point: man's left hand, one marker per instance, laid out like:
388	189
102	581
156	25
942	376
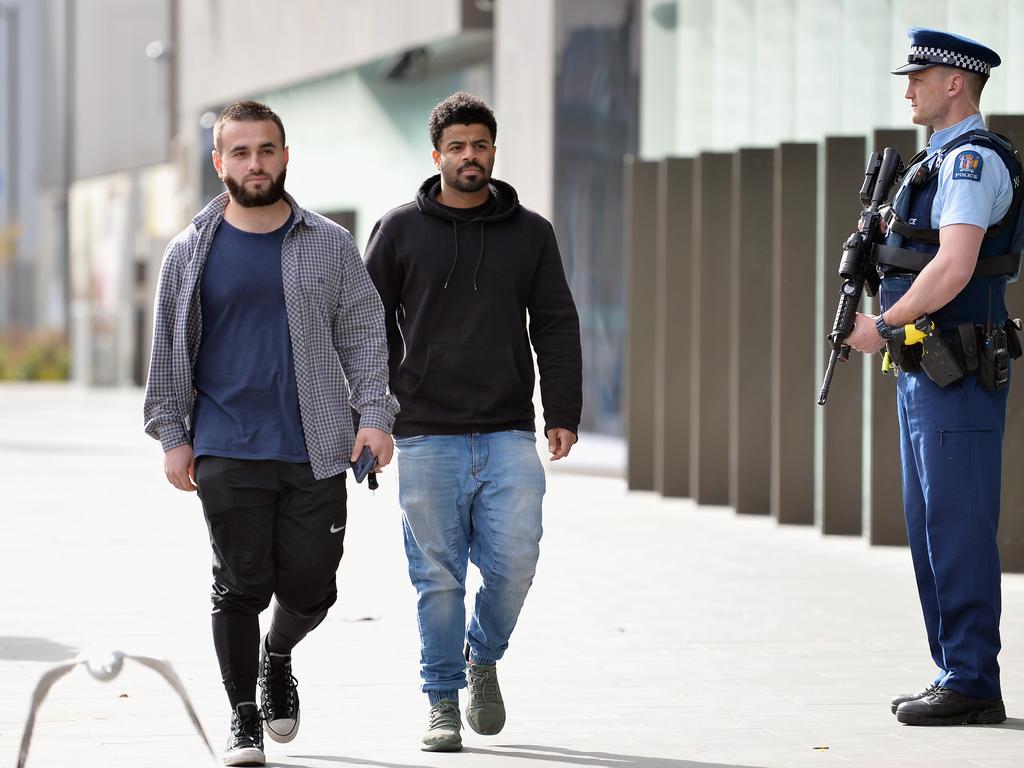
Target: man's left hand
381	446
864	336
560	442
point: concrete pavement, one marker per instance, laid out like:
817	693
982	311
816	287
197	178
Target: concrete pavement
657	635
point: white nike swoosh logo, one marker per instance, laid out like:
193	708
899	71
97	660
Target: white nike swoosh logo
339	528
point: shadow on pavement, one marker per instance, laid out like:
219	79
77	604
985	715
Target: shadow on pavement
34	649
595	759
344	760
1010	724
534	752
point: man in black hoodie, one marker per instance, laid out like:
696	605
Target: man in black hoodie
458	270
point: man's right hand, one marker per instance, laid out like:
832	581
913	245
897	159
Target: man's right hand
180	468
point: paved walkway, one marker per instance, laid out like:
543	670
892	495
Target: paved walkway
657	635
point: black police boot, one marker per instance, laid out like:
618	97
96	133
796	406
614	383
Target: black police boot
911	696
944	706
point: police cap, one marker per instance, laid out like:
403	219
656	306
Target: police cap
930	47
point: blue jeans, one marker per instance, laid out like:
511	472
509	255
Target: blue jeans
469	497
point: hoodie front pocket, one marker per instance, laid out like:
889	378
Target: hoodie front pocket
469	381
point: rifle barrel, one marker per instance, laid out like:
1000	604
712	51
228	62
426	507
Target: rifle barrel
829	370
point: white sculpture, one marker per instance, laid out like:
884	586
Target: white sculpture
105	666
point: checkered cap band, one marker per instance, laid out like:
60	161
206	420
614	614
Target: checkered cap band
920	54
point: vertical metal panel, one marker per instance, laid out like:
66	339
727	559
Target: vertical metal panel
641	182
1011	522
794	333
750	331
884	523
709	304
671	334
842	418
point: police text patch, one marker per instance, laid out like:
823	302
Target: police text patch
967	166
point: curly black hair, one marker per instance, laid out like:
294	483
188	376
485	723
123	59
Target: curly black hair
245	110
460	108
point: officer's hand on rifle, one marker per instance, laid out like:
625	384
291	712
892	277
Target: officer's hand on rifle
864	337
883	223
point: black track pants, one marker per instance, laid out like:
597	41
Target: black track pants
275	531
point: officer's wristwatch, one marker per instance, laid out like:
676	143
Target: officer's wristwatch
884	329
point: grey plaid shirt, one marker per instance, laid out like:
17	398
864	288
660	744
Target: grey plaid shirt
336	323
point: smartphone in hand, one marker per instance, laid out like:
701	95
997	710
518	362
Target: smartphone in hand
364	464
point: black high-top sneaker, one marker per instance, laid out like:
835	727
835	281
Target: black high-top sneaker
279	697
245	742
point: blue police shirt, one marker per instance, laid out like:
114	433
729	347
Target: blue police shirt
974	184
247	403
972	187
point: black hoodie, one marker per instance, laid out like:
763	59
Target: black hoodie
456	293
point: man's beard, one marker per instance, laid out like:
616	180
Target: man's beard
268	196
464	185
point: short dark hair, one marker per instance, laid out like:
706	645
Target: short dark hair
975	83
460	108
245	110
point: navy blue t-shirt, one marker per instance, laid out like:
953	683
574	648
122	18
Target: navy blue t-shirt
247	402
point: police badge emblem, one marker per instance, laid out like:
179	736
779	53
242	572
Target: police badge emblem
968	166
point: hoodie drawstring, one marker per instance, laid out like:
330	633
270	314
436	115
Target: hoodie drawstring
481	259
455	259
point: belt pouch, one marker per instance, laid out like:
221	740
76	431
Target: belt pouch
968	338
994	361
1013	338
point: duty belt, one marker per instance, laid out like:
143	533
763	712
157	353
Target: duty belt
969	348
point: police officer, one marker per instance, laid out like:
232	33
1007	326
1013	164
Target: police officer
948	256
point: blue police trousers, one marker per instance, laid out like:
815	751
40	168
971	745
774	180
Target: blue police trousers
951	447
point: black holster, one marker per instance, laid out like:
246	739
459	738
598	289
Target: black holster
938	361
907	359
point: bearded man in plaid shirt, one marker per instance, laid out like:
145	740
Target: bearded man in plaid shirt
267	333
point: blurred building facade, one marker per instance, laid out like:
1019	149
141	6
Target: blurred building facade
87	136
108	107
754	73
138	83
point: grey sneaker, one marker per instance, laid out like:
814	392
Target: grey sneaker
444	733
485	712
